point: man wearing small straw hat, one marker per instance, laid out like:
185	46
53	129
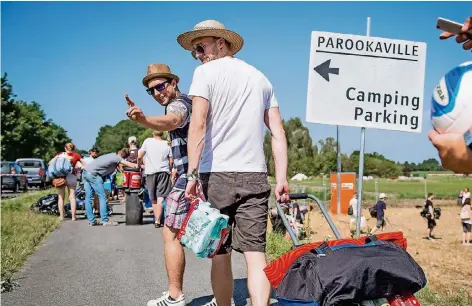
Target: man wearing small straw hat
231	101
161	84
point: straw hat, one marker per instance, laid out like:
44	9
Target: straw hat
211	28
158	71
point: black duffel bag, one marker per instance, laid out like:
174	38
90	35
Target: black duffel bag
48	204
350	273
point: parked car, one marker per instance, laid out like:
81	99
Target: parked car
37	171
13	177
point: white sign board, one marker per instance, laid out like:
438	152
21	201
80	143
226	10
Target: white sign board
366	81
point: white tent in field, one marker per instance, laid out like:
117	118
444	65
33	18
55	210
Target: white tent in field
299	177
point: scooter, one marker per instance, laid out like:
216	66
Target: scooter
137	197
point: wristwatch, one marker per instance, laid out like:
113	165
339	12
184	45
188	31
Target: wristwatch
468	139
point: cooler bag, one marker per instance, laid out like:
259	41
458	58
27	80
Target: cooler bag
204	229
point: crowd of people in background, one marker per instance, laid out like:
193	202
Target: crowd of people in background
93	170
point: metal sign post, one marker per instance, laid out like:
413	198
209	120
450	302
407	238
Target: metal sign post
338	183
324	193
425	188
361	167
376	190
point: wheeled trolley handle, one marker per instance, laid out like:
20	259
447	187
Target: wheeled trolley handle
303	196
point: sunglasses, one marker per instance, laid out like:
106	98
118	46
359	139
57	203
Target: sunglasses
159	87
200	49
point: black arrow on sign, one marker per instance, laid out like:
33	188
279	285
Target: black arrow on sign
324	70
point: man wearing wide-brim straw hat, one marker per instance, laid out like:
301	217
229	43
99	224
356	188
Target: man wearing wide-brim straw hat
231	101
206	34
161	84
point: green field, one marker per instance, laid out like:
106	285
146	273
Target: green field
444	187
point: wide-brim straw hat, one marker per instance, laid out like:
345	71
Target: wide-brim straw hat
155	71
211	28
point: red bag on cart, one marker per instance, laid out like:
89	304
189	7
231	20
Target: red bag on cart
276	270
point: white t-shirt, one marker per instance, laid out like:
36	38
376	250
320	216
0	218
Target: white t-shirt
239	94
156	157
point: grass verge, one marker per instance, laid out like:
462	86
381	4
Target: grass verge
277	246
22	231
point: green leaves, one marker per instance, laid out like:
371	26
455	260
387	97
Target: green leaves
113	138
313	160
26	132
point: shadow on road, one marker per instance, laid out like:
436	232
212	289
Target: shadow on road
241	294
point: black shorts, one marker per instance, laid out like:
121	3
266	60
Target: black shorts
244	197
466	227
431	223
158	185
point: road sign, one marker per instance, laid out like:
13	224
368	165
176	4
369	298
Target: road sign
364	81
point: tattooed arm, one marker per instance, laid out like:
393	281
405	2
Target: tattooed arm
176	117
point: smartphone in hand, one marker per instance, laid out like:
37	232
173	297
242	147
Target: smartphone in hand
452	27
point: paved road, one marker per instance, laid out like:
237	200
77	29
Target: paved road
80	265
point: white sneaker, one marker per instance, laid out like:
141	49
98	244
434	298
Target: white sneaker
213	302
166	300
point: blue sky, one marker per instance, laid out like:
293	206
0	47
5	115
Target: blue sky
77	59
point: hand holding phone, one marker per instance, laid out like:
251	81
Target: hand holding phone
451	28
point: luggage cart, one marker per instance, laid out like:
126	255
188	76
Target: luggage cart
304	196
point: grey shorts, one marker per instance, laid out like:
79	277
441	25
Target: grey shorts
380	223
158	185
244	197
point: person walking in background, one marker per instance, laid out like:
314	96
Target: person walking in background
133	150
93	176
353	204
231	101
159	162
459	197
465	195
466	220
132	157
93	154
380	207
296	211
70	180
429	208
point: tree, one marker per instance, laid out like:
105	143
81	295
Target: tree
148	134
407	169
430	164
113	138
299	148
26	132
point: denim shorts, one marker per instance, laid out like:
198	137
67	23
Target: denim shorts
244	198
